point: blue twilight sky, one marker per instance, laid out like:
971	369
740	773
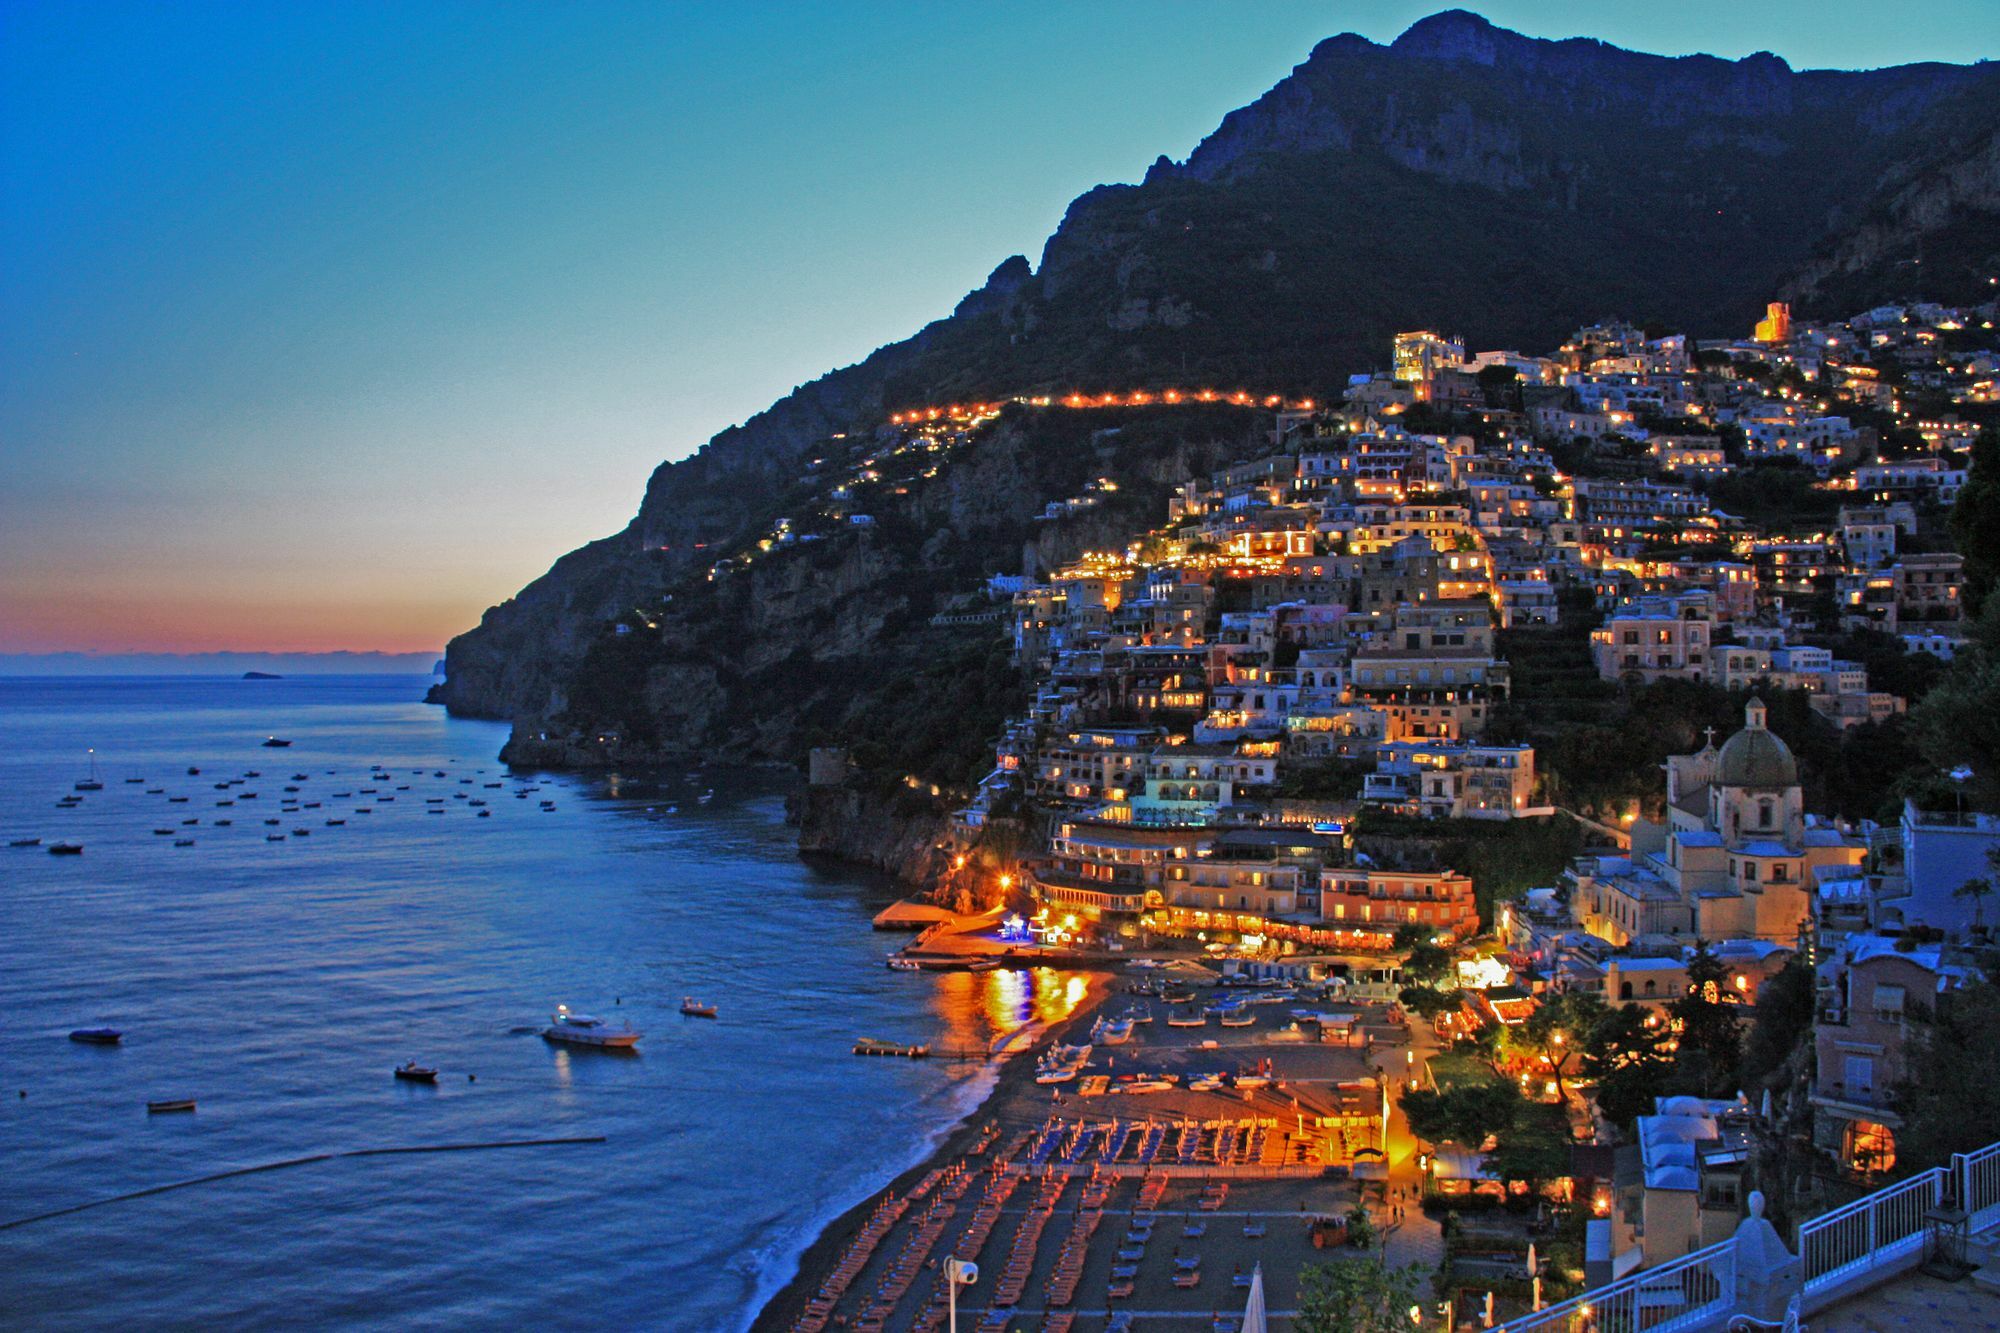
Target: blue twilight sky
329	324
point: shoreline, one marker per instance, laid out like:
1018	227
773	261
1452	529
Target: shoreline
1016	1076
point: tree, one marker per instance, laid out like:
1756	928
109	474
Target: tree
1356	1296
1711	1041
1783	1022
1534	1149
1975	519
1951	1100
1978	889
1556	1030
1427	1002
1428	962
1958	723
1467	1114
1625	1055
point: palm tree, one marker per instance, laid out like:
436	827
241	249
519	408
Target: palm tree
1977	890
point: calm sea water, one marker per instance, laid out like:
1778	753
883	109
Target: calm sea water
279	982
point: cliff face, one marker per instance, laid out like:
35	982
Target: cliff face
1463	176
863	828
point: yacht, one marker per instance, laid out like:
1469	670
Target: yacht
91	783
584	1030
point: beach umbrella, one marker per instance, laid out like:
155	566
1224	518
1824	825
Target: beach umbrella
1253	1309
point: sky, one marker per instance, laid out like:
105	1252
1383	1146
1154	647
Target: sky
329	325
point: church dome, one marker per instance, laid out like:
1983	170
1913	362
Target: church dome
1753	757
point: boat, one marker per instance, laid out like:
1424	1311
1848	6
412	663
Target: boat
90	783
96	1036
1061	1064
1238	1018
1111	1031
273	743
416	1073
274	837
693	1008
583	1030
183	842
193	772
25	842
1185	1018
898	963
163	833
171	1104
65	849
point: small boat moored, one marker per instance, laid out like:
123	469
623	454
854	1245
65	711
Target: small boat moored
584	1030
693	1008
412	1072
171	1104
96	1036
273	743
65	849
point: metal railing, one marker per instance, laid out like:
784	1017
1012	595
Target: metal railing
1977	1178
1690	1292
1879	1232
1847	1250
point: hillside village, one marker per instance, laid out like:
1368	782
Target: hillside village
1250	725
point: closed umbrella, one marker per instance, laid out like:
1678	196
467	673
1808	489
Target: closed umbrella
1253	1309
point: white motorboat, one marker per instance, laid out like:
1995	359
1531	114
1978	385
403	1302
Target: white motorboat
584	1030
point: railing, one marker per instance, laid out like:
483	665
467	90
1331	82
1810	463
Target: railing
1691	1292
1879	1234
1842	1252
1977	1177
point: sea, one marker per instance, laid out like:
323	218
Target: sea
392	892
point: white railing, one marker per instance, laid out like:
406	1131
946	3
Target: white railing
1884	1231
1847	1250
1693	1291
1977	1176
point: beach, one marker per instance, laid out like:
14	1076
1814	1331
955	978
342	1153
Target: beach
1160	1203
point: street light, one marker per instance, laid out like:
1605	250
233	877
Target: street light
958	1273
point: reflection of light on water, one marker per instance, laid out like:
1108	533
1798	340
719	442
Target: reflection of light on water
1007	997
976	1007
563	1071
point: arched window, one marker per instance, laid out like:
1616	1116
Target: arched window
1624	990
1650	985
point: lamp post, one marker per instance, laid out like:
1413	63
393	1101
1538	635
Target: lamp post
957	1273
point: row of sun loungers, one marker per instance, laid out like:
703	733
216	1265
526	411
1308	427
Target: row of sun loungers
1000	1186
859	1251
909	1264
1061	1286
1020	1263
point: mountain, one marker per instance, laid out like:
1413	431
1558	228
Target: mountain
1503	187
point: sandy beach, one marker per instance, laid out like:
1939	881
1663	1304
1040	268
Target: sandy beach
1008	1104
1159	1204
